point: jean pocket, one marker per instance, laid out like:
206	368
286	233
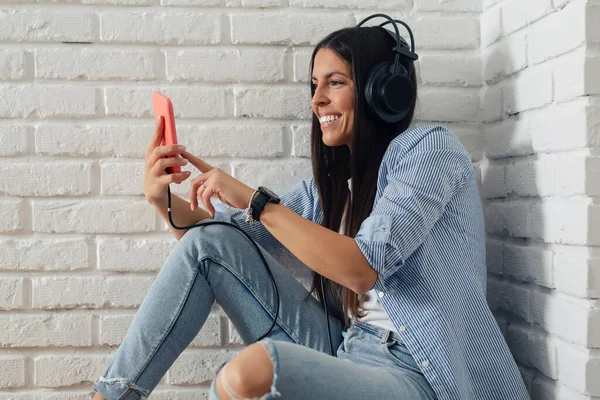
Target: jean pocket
400	355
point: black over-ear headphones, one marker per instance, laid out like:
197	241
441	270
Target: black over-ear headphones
389	90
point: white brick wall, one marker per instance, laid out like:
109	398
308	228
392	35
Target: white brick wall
539	184
76	116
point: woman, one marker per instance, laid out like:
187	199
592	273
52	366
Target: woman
405	282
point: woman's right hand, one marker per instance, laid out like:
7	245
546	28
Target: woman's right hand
156	179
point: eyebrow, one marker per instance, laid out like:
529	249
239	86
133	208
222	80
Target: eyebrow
329	75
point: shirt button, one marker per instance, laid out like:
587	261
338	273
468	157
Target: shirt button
425	364
402	328
381	294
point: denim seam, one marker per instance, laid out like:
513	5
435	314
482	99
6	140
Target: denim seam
168	330
284	326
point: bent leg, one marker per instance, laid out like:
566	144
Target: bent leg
213	262
299	373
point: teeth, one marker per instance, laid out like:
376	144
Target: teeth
329	118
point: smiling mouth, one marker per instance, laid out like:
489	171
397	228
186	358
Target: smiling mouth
328	120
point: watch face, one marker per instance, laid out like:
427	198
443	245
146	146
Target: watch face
269	193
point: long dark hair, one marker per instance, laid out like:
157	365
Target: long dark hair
362	48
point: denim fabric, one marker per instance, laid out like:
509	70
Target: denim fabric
218	263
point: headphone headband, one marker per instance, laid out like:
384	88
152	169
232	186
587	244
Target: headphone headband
389	89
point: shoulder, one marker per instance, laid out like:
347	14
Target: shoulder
429	151
427	137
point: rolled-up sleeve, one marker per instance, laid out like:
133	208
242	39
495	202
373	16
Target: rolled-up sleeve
418	187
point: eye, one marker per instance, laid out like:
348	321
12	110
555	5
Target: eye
335	83
313	86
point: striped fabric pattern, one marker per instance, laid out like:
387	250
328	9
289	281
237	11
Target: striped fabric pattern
425	238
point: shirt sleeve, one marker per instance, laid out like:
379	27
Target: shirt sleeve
300	198
418	188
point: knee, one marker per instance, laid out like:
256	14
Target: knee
209	237
248	375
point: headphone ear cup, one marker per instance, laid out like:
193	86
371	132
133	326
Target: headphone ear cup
388	95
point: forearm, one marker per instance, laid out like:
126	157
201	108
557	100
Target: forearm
332	255
181	213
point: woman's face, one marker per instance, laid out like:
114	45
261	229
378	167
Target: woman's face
333	101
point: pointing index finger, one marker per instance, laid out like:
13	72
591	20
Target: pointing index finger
203	166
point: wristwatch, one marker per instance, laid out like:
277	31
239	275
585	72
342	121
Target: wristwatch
263	197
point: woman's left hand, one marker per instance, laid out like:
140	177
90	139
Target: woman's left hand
216	182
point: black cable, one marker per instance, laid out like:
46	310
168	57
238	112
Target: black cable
262	258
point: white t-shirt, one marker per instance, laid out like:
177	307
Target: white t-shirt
369	303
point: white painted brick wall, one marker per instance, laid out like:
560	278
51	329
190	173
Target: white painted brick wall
539	186
76	117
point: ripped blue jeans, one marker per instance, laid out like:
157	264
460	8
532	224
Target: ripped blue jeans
218	263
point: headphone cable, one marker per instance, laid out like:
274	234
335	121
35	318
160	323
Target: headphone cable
205	223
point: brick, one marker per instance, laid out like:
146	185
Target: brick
561	220
32	254
122	178
446	104
88	64
490	26
181	393
545	41
103	140
90	292
278	176
494	260
286	102
548	127
114	327
291	27
505	57
11	214
226	65
302	65
557	313
128	255
511	137
46	26
592	29
492	103
512	219
451	69
92	216
493	181
301	141
173	28
450	6
396	5
188	102
516	14
45	396
529	264
11	293
591	81
45	330
12	64
197	366
533	349
447	32
577	271
14	139
580	368
569	75
532	88
533	178
39	101
543	388
45	179
60	371
248	139
12	371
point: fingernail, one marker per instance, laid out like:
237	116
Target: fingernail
181	148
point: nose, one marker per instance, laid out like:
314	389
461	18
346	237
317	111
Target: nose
320	97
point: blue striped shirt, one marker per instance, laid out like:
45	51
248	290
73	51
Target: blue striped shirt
425	238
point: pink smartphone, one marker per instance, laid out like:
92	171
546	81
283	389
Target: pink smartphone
164	107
